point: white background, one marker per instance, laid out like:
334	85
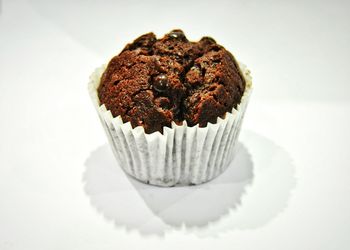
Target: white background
288	187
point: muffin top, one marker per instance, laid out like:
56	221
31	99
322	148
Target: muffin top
153	82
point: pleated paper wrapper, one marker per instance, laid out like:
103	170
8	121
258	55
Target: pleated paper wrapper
182	155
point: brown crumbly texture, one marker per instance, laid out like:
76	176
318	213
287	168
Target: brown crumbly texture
153	82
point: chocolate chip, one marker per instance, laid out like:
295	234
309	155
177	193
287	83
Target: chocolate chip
177	34
208	40
160	83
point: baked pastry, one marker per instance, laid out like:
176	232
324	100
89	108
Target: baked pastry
172	109
153	82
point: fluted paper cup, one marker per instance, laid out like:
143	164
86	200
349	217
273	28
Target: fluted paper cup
182	155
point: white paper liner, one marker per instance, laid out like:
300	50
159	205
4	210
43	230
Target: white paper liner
182	154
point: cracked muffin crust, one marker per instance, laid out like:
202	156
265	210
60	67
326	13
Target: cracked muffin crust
153	82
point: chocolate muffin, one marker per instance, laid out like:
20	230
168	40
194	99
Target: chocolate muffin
153	82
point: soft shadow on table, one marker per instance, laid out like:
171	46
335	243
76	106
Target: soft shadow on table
218	204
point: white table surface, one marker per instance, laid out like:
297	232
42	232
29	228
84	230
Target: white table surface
288	187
